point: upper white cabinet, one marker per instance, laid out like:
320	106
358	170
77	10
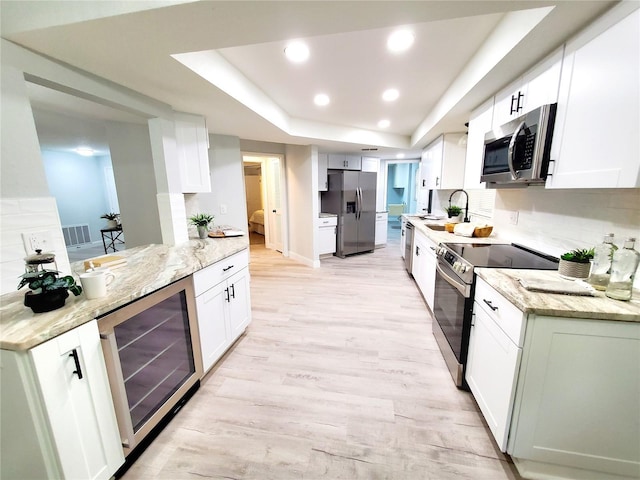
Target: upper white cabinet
192	144
443	161
370	164
323	179
596	141
340	161
58	419
479	124
537	87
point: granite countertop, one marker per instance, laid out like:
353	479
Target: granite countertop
446	237
601	307
148	269
324	215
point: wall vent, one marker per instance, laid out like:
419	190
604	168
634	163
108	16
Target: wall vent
76	235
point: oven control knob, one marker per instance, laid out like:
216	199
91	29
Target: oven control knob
462	268
456	266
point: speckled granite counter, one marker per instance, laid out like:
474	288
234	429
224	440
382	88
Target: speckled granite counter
446	237
148	268
505	281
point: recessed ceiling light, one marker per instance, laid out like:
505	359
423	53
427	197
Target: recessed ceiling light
390	95
297	51
384	123
400	40
400	155
85	151
321	99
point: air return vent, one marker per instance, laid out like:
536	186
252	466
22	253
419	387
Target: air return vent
76	235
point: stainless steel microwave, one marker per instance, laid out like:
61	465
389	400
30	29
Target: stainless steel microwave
517	153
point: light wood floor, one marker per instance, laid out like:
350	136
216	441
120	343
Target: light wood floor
337	377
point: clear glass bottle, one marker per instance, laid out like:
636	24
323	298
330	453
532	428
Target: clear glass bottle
601	266
623	270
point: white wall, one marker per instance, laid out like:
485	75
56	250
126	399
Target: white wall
135	182
301	173
227	185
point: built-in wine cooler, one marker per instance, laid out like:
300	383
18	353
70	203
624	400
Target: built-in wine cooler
149	350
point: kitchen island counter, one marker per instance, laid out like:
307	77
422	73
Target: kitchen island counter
149	268
601	307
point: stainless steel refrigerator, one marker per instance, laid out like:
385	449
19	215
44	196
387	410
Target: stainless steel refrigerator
352	197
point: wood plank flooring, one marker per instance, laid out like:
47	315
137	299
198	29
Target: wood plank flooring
337	377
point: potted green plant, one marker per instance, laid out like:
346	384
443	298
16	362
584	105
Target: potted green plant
576	263
112	219
48	292
201	221
454	211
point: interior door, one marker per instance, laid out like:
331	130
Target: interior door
273	210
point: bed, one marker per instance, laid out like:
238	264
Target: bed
256	222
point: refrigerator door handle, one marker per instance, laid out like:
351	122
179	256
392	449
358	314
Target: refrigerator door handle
357	202
360	206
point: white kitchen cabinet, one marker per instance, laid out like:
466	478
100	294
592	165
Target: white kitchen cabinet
537	87
370	164
495	349
223	305
424	266
58	419
381	228
340	161
327	229
577	411
403	236
442	165
596	141
323	179
192	144
479	124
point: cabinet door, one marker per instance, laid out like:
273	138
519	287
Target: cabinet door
430	262
508	103
381	228
353	162
541	83
323	183
337	161
452	161
492	366
479	125
596	142
370	164
192	144
431	166
327	239
214	330
75	391
239	303
577	400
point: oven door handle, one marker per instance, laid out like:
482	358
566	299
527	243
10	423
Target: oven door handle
451	281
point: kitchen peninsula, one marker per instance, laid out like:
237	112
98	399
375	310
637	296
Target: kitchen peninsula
83	385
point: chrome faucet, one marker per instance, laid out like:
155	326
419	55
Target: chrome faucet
466	207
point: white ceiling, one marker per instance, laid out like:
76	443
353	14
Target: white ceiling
348	60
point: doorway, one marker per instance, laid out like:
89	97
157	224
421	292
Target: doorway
270	220
401	191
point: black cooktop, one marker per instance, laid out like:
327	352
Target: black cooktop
503	256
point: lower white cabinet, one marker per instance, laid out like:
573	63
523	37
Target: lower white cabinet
424	266
381	228
58	419
327	235
223	304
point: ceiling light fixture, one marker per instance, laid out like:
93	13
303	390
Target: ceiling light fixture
321	99
297	52
390	95
400	40
85	151
384	124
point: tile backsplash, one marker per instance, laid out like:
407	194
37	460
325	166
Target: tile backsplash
26	215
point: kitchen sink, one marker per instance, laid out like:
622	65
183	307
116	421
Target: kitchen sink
435	226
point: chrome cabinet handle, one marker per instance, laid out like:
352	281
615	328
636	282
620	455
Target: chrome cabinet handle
488	302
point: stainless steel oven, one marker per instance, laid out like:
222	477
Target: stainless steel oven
151	348
455	288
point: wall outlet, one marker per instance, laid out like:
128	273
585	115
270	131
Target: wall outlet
223	208
513	218
37	241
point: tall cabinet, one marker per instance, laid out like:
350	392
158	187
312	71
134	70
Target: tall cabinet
58	419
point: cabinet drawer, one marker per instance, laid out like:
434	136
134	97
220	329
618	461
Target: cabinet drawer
382	217
504	313
327	222
210	276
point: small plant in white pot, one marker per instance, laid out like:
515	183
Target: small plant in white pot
201	221
576	263
454	212
112	219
